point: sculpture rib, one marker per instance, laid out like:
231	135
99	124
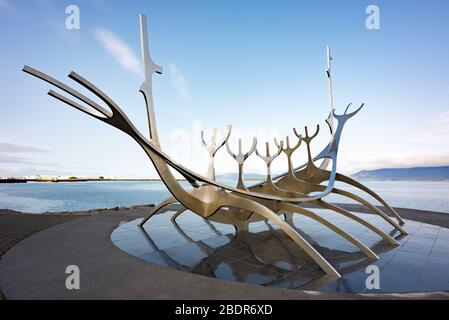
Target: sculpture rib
271	216
332	207
162	204
370	206
354	183
292	208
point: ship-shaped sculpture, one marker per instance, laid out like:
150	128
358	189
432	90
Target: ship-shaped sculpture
274	200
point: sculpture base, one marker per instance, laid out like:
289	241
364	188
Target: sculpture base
264	255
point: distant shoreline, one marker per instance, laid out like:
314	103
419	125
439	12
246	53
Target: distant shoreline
440	173
399	180
81	180
19	180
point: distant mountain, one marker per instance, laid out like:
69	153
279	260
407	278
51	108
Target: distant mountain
418	173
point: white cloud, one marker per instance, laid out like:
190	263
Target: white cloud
178	80
21	160
119	50
13	148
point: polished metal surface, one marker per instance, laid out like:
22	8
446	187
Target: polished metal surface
239	206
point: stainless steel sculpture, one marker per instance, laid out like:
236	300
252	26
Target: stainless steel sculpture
279	195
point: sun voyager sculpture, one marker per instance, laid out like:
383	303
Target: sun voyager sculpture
276	199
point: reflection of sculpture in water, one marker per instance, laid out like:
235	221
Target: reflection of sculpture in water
239	205
268	256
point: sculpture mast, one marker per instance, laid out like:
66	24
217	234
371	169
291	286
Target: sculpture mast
330	119
149	67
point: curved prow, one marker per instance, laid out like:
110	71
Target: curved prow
118	119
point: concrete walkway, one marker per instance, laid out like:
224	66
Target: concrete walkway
35	269
17	226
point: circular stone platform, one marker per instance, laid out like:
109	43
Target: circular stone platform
267	256
35	267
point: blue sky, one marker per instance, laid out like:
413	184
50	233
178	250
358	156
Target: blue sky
258	65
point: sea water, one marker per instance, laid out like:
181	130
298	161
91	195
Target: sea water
39	197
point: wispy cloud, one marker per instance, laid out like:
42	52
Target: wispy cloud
20	160
178	80
12	159
14	148
119	50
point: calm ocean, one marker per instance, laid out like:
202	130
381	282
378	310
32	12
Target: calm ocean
77	196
